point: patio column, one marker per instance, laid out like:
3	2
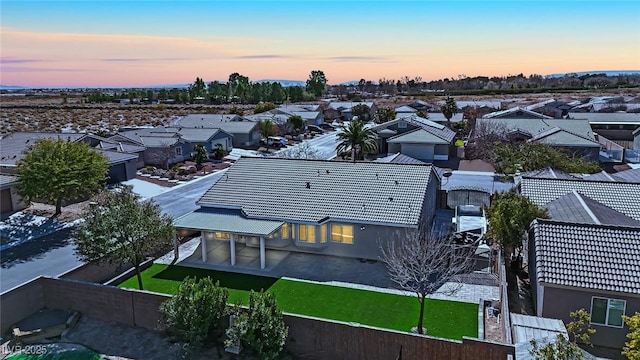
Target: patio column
232	244
203	242
262	257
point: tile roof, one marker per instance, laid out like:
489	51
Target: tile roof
314	190
631	175
549	173
598	257
230	123
575	207
197	135
6	180
431	127
560	137
347	105
227	221
622	197
608	118
513	113
581	128
417	136
405	109
399	158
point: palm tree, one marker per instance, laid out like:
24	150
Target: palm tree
357	138
449	109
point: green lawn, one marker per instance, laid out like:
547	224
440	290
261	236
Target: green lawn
447	319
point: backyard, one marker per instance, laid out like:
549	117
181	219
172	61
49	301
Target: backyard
446	319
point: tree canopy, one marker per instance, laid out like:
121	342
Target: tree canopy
384	114
579	330
60	170
449	108
355	138
361	111
632	347
510	158
510	215
316	82
200	155
121	229
266	128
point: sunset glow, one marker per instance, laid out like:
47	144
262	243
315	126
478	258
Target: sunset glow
118	43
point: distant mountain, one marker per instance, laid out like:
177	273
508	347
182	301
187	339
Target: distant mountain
12	87
606	72
285	83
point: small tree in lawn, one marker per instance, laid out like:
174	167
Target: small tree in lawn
510	215
193	314
261	328
219	152
265	128
566	349
121	229
60	170
200	155
422	263
296	122
449	109
632	347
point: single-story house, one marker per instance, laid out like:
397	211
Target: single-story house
617	126
405	110
315	206
122	164
210	138
10	200
623	197
575	136
245	133
416	137
163	146
516	113
343	108
593	266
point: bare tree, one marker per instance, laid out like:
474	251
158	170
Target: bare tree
302	151
484	136
421	262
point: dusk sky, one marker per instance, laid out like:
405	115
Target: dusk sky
128	43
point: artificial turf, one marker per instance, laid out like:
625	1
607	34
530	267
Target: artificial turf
446	319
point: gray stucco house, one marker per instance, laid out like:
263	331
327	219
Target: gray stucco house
590	266
325	207
416	137
575	136
244	132
163	146
588	254
122	160
10	200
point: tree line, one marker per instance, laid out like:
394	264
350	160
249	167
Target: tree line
238	90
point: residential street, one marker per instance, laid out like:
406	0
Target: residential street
54	254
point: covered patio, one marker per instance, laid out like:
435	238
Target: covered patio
230	237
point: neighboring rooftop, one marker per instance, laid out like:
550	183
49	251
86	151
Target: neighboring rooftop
440	131
622	197
516	113
577	208
313	190
609	118
598	257
576	128
631	175
525	328
6	180
399	158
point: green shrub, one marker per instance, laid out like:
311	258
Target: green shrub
261	329
193	314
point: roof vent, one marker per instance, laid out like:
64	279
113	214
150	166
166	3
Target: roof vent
308	185
327	171
447	172
397	183
318	172
377	178
390	198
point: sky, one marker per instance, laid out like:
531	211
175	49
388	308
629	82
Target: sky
143	43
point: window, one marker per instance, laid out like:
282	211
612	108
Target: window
607	312
323	233
307	233
178	151
284	231
222	235
342	233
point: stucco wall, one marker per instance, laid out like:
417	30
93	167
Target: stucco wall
422	152
559	302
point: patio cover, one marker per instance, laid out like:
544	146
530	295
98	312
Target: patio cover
226	221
